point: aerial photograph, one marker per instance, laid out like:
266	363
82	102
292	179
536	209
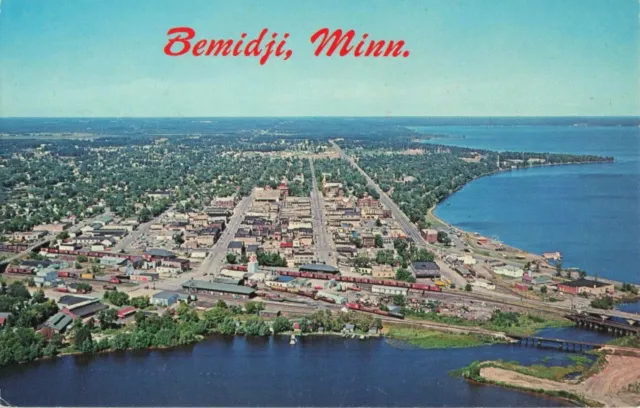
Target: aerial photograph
363	203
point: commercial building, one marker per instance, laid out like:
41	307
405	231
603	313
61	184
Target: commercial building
587	286
199	286
319	268
145	277
509	270
164	299
427	269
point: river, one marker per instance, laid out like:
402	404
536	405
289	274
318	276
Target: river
590	213
243	371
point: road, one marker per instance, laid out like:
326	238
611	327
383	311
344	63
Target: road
144	228
51	237
323	241
216	257
404	221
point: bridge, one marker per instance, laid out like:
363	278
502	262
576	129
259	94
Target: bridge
599	323
562	344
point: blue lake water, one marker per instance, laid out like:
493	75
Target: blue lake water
243	371
590	213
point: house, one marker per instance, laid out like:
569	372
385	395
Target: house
164	299
235	247
483	284
589	287
45	277
428	269
509	270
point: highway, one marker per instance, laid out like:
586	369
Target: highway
404	221
323	241
216	257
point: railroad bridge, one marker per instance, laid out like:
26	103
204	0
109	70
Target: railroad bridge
562	344
604	323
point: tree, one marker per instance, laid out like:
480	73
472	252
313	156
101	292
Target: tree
228	326
39	297
583	274
605	302
107	318
116	298
559	268
253	307
82	339
378	222
139	302
379	243
282	324
82	258
63	235
468	287
231	258
404	275
255	326
543	290
178	238
77	265
399	300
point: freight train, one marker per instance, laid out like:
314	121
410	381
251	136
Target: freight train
363	308
91	254
328	276
311	293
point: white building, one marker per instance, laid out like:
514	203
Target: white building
509	270
389	290
483	284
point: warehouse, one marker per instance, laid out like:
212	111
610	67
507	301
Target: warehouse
319	268
164	299
199	286
389	290
427	269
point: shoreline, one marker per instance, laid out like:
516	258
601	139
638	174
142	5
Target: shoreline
431	213
604	382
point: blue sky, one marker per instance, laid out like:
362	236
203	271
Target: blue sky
468	58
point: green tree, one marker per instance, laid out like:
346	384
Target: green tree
228	326
404	275
379	243
255	326
378	222
231	258
468	287
282	324
559	268
399	300
253	307
82	258
108	318
543	290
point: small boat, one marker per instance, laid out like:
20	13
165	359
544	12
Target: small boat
293	340
362	337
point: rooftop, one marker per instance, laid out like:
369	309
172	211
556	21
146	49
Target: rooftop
580	283
164	295
425	265
235	244
319	268
70	300
160	252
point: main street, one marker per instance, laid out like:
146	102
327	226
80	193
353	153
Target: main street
216	257
323	241
404	221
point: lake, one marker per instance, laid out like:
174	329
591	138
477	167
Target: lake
243	371
590	213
